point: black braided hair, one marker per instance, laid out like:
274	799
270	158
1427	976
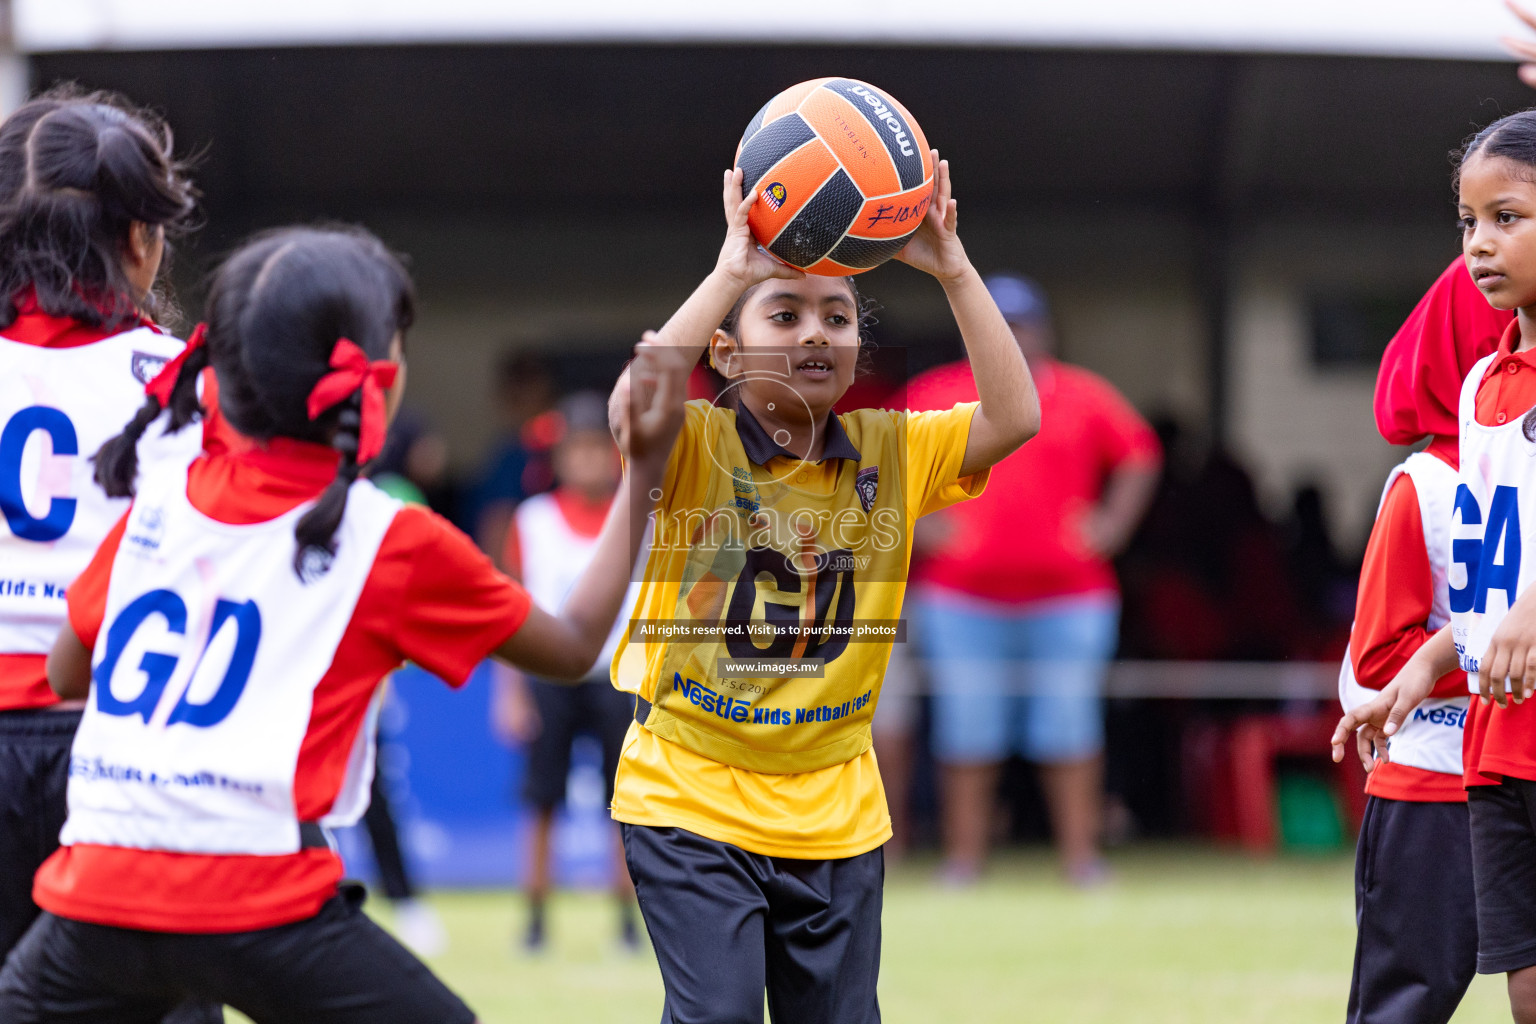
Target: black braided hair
276	309
77	171
117	462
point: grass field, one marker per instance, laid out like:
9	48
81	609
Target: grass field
1184	935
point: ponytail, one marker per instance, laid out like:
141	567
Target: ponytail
316	529
174	388
117	463
301	324
78	171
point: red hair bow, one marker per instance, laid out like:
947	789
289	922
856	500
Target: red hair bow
165	381
351	370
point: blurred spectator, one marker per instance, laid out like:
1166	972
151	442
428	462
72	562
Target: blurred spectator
517	465
551	540
1018	600
414	464
1205	576
1325	583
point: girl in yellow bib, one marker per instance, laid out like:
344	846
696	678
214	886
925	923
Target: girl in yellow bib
752	809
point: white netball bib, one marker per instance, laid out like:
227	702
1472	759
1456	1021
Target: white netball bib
553	558
57	406
1431	736
1497	492
204	675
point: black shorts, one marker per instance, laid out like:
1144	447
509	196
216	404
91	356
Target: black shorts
34	773
728	925
1416	947
566	711
337	967
1504	870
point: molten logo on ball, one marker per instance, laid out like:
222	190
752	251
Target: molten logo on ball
774	195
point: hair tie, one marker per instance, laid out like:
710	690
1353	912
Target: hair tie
164	384
351	370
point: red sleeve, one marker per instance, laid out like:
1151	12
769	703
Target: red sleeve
1396	595
456	608
1421	372
936	389
1124	436
87	596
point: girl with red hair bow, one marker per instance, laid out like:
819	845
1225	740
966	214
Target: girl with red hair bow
231	635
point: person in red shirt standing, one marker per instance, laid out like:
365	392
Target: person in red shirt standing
1416	948
1018	606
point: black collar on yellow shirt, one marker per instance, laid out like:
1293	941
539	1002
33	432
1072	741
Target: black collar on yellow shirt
760	447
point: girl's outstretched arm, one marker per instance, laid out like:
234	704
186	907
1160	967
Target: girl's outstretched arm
69	666
1374	722
1010	408
566	644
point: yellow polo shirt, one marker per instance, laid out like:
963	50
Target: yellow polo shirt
832	811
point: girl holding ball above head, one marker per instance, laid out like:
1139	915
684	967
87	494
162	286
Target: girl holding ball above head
230	636
752	809
1492	630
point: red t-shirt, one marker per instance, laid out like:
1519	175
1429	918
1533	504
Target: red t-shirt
1021	541
431	597
1392	610
24	677
1502	741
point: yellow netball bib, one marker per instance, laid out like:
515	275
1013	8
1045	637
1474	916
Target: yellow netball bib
773	588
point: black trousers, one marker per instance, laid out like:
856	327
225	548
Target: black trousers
728	925
337	967
565	712
34	774
34	778
1416	913
1504	866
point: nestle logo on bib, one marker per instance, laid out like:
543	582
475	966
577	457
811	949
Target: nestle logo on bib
146	366
148	529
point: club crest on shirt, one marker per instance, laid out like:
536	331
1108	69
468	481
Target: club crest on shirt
867	483
146	366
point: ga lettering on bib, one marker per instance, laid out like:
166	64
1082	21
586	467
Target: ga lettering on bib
1496	491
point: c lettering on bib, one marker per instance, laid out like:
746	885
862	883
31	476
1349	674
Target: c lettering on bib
13	443
158	667
1500	540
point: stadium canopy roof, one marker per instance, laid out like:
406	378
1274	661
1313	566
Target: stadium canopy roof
1403	28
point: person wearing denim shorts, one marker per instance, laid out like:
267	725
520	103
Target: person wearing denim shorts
1017	605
